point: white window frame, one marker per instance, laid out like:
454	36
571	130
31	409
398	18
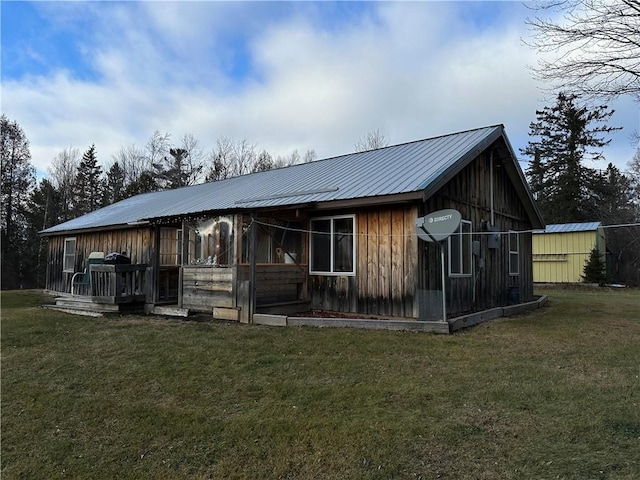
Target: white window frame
332	271
461	237
514	253
69	257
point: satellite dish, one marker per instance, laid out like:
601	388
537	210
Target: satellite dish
438	226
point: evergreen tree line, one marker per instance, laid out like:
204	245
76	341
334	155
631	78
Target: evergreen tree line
564	139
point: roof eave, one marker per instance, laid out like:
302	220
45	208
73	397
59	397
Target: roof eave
79	231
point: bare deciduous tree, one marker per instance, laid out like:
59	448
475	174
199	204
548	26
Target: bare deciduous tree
219	160
230	158
194	159
244	157
157	148
132	161
591	48
374	139
62	173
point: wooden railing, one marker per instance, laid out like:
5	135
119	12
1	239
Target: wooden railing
118	283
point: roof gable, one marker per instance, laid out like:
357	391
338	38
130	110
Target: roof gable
418	167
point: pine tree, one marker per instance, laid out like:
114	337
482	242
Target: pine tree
595	269
616	203
264	162
18	178
145	183
114	188
613	196
44	210
566	135
174	171
88	185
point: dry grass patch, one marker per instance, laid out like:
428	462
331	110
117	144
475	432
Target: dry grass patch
552	394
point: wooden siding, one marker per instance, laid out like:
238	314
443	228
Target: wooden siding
276	283
138	243
384	283
490	283
206	287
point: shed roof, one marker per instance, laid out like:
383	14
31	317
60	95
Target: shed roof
420	167
571	227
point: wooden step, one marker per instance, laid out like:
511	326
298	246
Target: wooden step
82	304
169	311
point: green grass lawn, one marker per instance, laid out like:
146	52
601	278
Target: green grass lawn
552	394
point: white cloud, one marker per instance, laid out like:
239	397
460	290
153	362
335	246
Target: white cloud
412	70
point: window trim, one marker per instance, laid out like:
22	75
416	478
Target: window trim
174	256
332	271
460	232
66	254
515	252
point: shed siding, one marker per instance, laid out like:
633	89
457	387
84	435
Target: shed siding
561	257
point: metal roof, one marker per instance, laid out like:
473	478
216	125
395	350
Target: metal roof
571	227
399	169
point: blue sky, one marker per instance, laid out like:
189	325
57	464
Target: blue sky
283	75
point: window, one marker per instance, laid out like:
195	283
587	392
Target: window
278	240
460	250
69	254
170	246
332	246
209	241
514	253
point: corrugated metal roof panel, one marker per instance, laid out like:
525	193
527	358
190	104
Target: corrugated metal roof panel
571	227
409	167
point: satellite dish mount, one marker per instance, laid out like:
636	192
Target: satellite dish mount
437	227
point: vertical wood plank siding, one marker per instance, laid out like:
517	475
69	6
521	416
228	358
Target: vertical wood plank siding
489	285
393	264
138	243
386	253
276	283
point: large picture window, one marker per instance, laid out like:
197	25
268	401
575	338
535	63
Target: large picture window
514	253
69	254
332	245
460	250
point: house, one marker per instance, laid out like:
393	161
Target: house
335	235
560	251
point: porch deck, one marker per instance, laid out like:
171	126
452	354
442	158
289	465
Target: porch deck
112	289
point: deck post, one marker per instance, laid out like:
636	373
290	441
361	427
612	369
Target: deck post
252	267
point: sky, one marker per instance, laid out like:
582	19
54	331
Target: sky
284	76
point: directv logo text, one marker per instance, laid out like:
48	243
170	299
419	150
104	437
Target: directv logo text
440	219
